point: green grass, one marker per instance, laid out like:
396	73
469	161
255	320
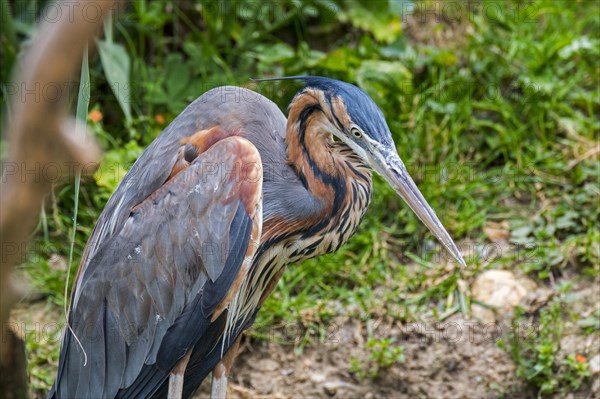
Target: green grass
498	124
383	353
535	350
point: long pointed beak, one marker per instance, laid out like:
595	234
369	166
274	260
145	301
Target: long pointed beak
395	173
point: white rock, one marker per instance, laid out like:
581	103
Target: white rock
499	289
595	364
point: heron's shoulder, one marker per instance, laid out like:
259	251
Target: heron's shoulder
235	97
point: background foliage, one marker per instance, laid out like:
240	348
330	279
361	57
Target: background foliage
497	122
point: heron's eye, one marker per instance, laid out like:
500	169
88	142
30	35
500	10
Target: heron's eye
356	132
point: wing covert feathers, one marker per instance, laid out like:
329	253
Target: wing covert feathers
152	291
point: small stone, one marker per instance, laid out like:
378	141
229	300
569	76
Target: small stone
318	378
330	388
596	385
266	365
497	231
536	299
595	364
499	289
57	262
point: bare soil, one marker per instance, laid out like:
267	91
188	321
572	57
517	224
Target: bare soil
455	359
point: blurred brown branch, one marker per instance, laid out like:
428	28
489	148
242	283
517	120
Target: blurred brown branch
41	135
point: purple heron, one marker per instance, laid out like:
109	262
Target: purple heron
201	228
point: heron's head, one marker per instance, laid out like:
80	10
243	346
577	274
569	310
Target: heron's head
352	116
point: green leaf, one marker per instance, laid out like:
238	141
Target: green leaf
177	76
340	60
373	16
378	77
569	219
394	70
111	171
115	165
116	65
274	53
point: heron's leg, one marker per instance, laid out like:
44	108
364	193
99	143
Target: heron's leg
176	378
221	372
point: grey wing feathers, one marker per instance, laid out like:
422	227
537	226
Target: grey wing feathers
173	246
233	108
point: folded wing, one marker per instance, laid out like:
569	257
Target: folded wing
152	291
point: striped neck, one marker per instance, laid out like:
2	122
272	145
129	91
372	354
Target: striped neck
328	169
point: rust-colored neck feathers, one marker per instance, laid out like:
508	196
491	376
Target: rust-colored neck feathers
325	167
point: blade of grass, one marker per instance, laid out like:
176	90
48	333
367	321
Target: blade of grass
44	219
83	102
